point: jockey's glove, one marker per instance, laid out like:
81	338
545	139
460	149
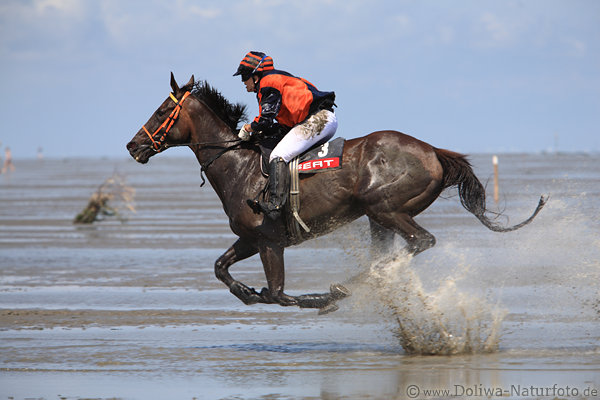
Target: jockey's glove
244	134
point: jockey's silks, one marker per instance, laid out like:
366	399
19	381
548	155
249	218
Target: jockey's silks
287	99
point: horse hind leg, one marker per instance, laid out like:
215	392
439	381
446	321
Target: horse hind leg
417	238
399	218
382	246
325	302
382	240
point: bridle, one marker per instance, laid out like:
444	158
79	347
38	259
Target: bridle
157	144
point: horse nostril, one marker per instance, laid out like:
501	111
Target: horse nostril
131	146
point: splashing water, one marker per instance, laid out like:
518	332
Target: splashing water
443	322
451	299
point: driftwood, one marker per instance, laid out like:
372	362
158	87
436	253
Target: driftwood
112	190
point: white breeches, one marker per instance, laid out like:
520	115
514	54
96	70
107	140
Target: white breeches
317	129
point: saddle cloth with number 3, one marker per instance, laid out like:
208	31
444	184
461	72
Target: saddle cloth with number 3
322	158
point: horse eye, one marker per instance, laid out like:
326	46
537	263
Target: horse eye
160	113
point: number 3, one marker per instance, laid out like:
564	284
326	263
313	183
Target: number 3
324	150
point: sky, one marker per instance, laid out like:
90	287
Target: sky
80	77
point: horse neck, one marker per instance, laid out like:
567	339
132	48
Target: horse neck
206	127
230	171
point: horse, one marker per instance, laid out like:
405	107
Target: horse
388	176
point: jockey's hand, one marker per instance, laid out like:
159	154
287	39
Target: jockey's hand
245	134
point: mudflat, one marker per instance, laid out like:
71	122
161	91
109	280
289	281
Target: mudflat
130	308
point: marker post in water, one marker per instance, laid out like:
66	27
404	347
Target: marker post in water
495	162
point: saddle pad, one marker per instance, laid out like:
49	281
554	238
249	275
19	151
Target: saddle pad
322	158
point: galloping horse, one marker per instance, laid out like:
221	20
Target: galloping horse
388	176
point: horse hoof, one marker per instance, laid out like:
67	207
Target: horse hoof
281	298
286	301
328	309
339	292
247	295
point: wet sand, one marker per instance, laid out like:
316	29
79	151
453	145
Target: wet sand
133	311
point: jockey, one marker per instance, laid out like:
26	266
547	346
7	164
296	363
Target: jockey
293	104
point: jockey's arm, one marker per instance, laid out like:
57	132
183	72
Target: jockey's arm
270	104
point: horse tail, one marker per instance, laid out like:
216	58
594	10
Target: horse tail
458	172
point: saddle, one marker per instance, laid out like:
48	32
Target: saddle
320	158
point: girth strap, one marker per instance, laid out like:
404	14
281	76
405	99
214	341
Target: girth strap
295	200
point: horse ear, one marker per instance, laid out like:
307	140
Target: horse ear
190	83
174	85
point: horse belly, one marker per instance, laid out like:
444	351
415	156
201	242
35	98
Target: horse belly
326	202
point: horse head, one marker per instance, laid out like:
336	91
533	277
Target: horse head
167	125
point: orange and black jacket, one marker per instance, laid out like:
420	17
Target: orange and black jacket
287	99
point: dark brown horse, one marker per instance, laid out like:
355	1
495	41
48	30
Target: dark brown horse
388	176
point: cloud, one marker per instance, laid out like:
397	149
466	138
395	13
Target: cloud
495	32
458	60
447	34
132	26
576	47
402	23
191	9
42	28
72	8
208	13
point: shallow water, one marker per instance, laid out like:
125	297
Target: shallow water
133	311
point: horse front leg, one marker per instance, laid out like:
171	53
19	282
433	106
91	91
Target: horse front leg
239	251
273	263
271	256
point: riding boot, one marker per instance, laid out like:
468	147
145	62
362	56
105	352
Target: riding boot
278	187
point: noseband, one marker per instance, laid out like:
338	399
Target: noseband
157	143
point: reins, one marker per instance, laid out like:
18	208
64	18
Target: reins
204	167
201	143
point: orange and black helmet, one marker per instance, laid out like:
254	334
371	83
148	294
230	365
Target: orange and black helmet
254	63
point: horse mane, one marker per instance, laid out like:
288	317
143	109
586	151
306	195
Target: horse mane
231	114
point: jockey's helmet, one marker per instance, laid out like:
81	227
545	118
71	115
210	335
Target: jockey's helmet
254	63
